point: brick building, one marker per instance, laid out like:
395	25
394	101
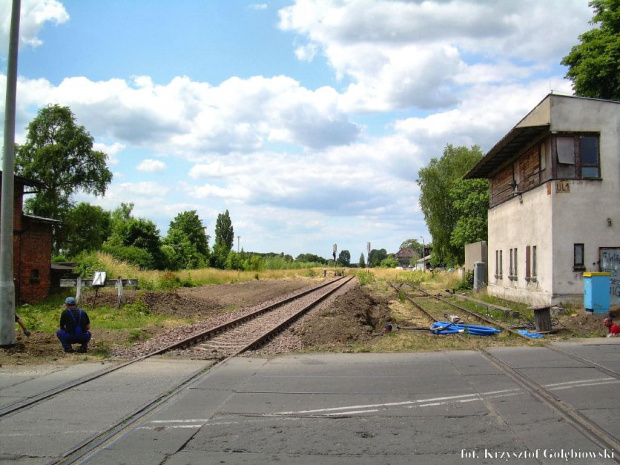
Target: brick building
32	247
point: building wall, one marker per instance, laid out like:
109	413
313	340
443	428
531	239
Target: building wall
560	213
32	250
582	211
516	224
476	252
32	261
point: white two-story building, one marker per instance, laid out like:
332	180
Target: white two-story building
554	211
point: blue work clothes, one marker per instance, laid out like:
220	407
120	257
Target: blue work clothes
69	320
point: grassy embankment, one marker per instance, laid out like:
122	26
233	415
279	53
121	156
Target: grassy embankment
44	316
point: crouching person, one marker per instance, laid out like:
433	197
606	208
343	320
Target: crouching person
74	327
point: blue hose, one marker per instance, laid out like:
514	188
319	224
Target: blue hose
444	327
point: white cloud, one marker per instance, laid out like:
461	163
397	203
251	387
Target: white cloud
402	54
187	117
151	166
110	150
34	15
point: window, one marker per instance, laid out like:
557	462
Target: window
512	270
578	260
516	262
589	157
501	272
578	157
530	263
34	276
527	262
498	264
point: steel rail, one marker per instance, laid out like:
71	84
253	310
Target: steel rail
581	423
98	441
17	406
588	428
467	311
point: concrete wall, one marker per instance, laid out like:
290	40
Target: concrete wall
560	213
476	252
521	222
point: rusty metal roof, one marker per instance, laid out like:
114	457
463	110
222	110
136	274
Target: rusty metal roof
506	149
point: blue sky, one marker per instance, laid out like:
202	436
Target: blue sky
307	119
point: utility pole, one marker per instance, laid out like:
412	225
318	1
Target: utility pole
7	286
238	240
423	255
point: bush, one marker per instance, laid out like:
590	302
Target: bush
364	277
466	283
88	263
168	281
131	254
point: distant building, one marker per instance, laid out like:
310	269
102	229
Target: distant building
32	247
554	189
404	257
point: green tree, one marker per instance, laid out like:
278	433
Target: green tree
88	227
344	258
224	232
59	153
375	257
594	64
188	241
389	262
412	244
437	181
362	262
470	199
310	258
138	233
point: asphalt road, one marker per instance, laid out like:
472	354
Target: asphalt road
429	408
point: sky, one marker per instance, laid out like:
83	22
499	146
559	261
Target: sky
308	120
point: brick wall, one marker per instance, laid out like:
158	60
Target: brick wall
33	264
32	251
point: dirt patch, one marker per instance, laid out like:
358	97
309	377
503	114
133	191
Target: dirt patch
353	318
200	302
582	324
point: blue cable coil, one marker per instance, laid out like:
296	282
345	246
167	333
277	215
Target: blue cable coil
445	327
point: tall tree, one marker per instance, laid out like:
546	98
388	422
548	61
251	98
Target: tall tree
414	245
59	153
470	199
362	262
130	233
344	258
189	243
224	232
437	181
375	257
594	64
88	227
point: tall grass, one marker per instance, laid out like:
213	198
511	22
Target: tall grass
162	280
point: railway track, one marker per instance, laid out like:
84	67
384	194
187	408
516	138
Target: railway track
590	429
217	345
444	310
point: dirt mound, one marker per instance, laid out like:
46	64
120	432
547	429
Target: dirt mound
355	317
582	324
